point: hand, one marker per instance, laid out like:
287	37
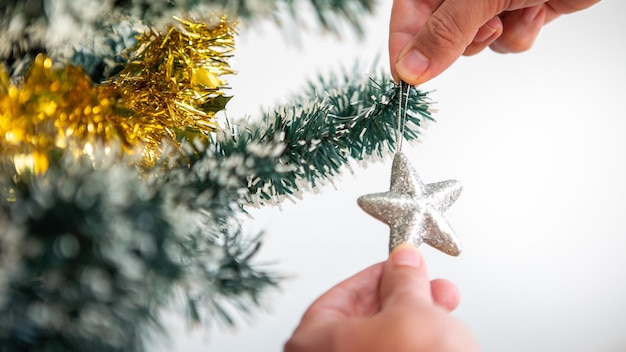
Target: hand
427	36
390	306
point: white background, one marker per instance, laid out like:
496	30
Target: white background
538	141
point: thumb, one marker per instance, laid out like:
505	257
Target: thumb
443	38
405	278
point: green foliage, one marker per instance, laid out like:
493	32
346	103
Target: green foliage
93	260
90	255
309	142
91	251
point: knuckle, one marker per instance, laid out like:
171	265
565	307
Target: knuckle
445	31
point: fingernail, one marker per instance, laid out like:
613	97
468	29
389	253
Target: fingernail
413	64
405	254
530	13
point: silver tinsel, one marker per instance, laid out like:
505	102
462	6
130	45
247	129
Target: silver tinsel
413	210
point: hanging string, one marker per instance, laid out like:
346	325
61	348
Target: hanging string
403	104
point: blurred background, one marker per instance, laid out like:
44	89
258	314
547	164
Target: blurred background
538	140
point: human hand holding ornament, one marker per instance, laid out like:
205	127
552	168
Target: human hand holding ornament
427	36
390	306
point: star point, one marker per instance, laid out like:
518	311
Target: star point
414	210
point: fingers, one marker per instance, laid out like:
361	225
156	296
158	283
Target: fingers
401	284
456	27
355	296
486	35
521	28
427	36
362	294
445	294
405	279
444	37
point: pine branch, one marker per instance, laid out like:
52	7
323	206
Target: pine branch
309	142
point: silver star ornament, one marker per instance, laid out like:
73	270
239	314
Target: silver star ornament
413	210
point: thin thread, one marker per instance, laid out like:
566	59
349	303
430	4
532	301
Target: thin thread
398	135
402	112
406	109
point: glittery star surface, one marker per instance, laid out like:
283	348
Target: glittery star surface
413	210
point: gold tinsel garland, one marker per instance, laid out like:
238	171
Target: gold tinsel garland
170	90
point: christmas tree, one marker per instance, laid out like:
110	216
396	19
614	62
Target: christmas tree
122	186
